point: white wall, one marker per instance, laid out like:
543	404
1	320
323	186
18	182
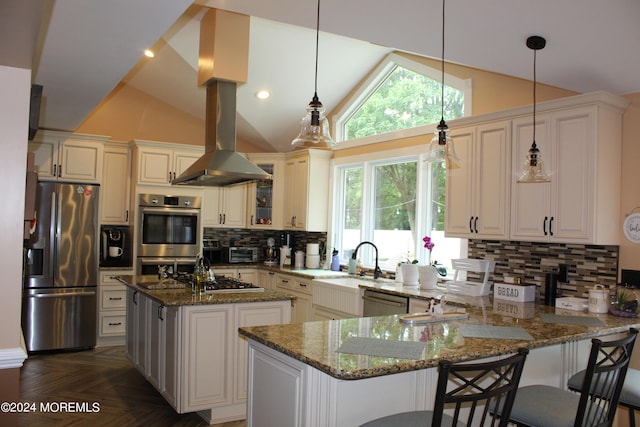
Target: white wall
15	86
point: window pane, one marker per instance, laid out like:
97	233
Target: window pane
352	209
395	212
404	100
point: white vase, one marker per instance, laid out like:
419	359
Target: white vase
428	277
410	275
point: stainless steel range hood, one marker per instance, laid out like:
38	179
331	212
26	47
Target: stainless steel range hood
224	38
221	165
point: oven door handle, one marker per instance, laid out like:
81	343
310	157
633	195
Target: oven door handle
383	301
168	211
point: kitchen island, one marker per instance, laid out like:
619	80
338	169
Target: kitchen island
188	347
300	375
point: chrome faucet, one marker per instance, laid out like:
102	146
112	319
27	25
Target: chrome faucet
376	271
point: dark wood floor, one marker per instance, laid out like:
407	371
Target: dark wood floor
104	376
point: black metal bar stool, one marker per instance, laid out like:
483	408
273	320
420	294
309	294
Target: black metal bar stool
595	405
629	396
472	389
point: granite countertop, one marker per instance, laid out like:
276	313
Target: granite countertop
183	295
315	343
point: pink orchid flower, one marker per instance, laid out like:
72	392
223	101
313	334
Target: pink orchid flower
428	243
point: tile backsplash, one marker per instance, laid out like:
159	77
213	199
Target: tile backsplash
258	238
588	265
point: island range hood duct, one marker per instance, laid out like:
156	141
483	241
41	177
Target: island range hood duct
221	165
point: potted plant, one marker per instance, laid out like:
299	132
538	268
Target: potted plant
429	273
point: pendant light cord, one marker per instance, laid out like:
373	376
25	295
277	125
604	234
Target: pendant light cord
534	96
317	43
442	66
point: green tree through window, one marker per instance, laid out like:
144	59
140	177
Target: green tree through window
404	100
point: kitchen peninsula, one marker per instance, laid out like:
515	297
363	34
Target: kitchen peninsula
188	347
299	375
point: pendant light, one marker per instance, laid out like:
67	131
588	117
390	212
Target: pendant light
533	167
441	148
314	128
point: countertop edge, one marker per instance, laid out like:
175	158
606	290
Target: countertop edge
180	297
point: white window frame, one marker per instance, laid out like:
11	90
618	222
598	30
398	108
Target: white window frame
368	162
371	84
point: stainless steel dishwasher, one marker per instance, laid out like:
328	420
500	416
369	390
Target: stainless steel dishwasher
382	304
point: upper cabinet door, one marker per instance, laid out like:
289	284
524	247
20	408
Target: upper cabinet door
459	214
68	157
530	203
114	201
478	191
574	153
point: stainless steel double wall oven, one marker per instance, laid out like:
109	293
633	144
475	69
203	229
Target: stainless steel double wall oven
168	232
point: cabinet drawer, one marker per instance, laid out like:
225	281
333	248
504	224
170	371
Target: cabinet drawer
112	324
109	278
113	298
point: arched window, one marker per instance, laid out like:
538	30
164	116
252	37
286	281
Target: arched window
401	94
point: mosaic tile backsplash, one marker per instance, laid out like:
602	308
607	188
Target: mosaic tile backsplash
588	265
258	238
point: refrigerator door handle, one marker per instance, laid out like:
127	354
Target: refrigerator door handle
63	294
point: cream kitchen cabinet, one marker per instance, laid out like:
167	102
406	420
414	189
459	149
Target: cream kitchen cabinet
478	193
265	201
193	354
267	279
116	181
67	157
160	163
581	148
136	324
301	289
307	190
225	206
112	300
249	275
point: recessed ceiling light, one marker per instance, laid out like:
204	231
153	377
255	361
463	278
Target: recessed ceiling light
149	53
263	94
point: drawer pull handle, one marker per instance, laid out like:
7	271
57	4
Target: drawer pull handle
115	324
115	298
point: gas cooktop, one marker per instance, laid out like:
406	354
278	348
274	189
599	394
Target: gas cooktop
228	284
222	284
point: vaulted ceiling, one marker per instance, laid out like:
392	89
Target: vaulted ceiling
80	50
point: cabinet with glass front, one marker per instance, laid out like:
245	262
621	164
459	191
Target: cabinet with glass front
266	196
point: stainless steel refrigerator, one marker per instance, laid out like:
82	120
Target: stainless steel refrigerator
61	269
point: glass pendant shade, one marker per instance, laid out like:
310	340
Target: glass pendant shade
442	149
533	167
533	170
314	128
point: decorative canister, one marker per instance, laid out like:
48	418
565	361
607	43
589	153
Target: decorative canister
598	299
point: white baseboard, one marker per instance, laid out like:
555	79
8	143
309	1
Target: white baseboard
11	358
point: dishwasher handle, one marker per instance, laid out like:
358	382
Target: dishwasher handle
384	301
